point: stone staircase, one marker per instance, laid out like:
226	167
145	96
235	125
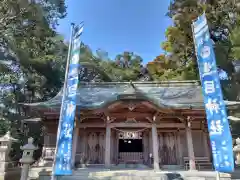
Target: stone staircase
139	174
130	166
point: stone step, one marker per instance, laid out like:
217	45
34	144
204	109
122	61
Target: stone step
126	177
162	177
100	174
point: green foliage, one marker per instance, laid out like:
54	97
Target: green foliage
127	66
32	59
223	21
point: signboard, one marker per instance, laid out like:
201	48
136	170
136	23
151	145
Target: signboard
63	164
218	126
130	135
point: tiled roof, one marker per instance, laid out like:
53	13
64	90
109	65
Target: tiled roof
178	94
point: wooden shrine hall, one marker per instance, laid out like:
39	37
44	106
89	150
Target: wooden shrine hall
158	124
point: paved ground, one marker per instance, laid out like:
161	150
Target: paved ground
136	174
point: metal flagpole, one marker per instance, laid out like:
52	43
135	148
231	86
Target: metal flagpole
218	176
63	98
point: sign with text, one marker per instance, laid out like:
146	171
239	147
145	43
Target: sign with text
63	160
218	126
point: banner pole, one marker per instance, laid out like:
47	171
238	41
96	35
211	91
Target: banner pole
63	98
218	176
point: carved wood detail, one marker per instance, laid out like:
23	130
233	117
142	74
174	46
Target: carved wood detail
167	148
95	148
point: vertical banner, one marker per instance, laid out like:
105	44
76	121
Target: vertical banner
62	164
218	126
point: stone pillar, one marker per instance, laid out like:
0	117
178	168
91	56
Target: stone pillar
107	147
155	147
192	165
5	148
27	158
74	145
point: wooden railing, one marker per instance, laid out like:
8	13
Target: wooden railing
129	157
201	163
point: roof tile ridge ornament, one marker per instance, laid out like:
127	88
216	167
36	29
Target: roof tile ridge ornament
131	89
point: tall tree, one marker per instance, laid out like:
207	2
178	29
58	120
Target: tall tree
31	55
222	20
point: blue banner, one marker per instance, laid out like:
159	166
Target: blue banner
218	126
63	163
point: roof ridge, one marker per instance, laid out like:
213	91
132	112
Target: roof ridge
180	83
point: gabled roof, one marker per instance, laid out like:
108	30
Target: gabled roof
170	94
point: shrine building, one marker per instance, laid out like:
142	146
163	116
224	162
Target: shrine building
157	124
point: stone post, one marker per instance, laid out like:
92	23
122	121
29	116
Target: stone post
27	158
5	148
236	150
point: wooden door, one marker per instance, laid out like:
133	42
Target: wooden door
167	148
95	147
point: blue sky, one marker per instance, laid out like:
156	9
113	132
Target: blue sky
120	25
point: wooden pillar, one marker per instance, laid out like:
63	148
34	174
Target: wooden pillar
107	147
206	146
74	144
192	164
155	147
179	145
205	140
83	147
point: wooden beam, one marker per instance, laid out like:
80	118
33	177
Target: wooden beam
149	119
91	125
110	119
149	105
115	104
152	106
91	117
130	125
130	115
133	125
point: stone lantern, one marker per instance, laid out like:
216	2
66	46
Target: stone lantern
5	148
236	149
27	158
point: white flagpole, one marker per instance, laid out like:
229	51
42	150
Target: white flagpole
63	98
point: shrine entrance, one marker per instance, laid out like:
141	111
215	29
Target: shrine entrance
130	147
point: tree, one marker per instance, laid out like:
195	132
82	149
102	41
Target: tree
128	66
179	48
32	57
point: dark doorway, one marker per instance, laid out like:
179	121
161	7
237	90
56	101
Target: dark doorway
130	145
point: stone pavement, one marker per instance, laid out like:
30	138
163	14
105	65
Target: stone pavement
127	174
